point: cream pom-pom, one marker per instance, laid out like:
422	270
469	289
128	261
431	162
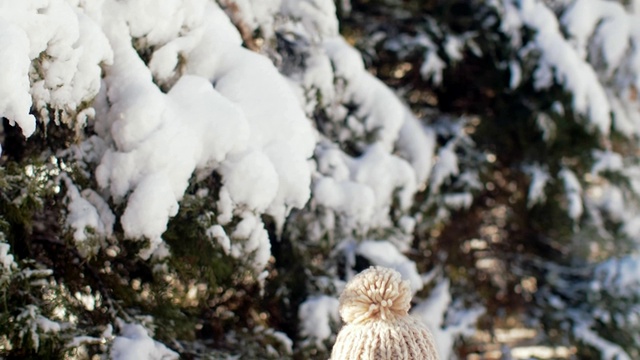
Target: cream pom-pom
377	293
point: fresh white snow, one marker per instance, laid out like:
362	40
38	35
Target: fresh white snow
317	313
197	102
134	343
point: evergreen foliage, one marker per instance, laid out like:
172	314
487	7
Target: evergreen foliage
199	180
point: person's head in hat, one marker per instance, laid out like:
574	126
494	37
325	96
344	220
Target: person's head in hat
374	307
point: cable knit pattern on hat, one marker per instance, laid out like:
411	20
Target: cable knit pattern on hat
374	306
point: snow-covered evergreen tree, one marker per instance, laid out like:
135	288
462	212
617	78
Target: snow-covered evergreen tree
200	178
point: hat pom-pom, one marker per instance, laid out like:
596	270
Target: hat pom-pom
377	293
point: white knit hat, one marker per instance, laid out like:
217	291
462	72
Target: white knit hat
374	306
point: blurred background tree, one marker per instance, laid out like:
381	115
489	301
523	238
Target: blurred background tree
550	96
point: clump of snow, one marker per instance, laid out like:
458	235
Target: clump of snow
158	23
64	48
385	173
612	200
446	166
134	343
7	261
606	161
148	209
6	258
363	188
279	127
407	224
417	143
317	16
515	72
225	207
355	201
458	201
460	321
453	47
249	80
573	192
216	232
317	314
432	66
626	117
284	340
212	32
87	210
294	178
15	101
257	14
250	237
385	254
631	227
333	162
539	179
607	20
223	129
241	173
547	126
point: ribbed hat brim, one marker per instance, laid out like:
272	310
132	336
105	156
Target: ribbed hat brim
404	339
